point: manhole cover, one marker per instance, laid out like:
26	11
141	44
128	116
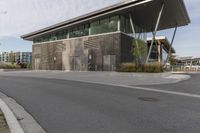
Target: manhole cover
148	99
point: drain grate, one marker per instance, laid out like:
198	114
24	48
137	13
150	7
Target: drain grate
148	99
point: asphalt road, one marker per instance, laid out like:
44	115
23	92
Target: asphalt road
191	86
63	106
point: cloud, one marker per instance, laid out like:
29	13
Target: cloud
24	16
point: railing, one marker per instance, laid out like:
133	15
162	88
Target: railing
185	68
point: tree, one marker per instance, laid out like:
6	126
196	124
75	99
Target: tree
139	52
11	57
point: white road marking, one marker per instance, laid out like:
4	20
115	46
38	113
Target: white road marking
146	89
167	92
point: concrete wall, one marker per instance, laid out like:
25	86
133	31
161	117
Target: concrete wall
83	53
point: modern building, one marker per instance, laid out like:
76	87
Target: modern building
188	61
102	40
17	57
160	49
23	57
4	56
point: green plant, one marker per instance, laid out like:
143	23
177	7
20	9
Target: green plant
29	66
11	58
139	52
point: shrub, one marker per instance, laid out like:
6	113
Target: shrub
149	68
29	66
9	66
128	67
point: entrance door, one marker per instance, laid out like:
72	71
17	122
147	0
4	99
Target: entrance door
109	62
37	63
75	63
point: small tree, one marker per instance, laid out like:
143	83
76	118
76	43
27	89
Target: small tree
139	52
11	57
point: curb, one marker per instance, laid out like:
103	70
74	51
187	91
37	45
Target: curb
179	77
10	118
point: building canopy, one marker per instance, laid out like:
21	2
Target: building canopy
144	13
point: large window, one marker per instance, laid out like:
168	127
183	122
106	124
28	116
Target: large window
95	28
164	55
154	53
79	31
125	25
104	25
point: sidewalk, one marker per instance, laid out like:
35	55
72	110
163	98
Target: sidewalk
104	77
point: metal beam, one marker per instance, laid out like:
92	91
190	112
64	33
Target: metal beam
119	24
132	25
172	41
155	31
134	33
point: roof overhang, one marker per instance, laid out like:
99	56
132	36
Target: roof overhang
144	14
162	40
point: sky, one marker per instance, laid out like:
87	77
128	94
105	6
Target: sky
18	17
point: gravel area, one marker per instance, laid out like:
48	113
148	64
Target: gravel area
3	124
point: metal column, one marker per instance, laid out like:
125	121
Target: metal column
119	24
169	52
134	33
155	31
132	25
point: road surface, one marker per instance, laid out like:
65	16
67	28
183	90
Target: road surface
64	106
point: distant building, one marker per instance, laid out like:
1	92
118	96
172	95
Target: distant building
160	49
4	56
19	57
188	61
23	57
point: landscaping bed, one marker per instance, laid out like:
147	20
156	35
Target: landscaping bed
3	124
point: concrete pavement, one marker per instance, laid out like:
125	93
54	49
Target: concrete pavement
105	77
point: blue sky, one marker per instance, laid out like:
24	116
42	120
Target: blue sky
24	16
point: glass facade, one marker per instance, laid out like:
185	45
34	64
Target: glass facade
106	25
125	25
164	55
154	53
